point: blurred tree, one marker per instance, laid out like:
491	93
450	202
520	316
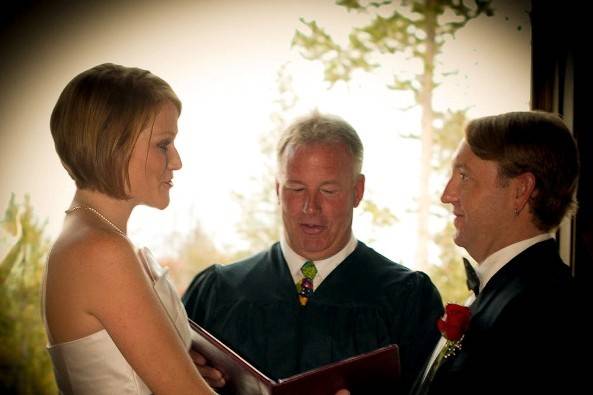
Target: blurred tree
196	252
449	275
25	367
415	31
260	223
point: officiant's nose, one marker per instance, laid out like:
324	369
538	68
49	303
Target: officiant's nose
311	203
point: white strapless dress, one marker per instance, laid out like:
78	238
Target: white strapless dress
94	365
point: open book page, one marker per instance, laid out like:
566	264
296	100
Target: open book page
372	372
240	375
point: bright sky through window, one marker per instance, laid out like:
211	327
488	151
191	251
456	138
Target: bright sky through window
222	59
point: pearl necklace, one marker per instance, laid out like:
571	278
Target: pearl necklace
98	214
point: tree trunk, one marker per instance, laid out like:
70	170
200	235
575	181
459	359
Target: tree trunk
425	101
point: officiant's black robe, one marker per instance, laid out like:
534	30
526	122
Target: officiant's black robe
365	303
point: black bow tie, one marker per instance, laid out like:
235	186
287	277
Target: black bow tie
472	280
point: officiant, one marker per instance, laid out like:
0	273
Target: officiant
318	295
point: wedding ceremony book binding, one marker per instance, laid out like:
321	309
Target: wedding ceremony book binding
374	372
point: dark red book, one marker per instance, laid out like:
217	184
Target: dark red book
374	372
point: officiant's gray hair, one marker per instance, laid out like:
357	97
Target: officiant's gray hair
322	128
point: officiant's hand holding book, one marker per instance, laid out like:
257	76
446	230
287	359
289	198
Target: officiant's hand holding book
213	376
373	372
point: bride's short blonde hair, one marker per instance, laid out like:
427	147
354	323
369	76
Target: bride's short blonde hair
97	120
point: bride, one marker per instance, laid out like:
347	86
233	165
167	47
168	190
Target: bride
114	322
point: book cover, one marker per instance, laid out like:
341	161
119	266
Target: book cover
373	372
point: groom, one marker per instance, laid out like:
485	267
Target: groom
513	181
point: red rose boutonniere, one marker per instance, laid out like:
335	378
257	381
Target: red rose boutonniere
453	326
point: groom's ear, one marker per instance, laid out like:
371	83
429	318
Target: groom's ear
524	185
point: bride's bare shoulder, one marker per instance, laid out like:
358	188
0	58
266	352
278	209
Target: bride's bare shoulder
89	248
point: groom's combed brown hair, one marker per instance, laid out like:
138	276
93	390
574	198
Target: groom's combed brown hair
535	142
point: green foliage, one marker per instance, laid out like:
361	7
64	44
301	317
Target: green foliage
339	62
406	29
449	274
380	216
447	137
260	223
415	31
349	4
25	367
196	252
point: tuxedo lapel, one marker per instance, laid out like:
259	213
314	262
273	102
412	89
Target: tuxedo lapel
525	273
511	279
420	387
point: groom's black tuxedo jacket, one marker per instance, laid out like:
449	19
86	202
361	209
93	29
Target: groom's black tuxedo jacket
522	335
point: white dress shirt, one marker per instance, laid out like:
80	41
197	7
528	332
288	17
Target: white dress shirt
324	266
485	271
491	265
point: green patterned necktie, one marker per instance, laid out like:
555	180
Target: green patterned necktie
305	286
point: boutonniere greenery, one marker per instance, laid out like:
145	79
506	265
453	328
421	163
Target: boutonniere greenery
453	326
